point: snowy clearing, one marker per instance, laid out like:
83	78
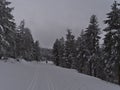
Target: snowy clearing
41	76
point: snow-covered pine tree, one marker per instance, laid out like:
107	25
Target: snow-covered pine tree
3	44
56	52
62	52
8	29
19	40
112	43
92	44
36	51
28	44
80	53
70	50
24	42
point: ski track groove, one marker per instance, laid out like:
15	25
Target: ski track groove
33	81
50	85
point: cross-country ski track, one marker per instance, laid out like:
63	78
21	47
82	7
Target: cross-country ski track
41	76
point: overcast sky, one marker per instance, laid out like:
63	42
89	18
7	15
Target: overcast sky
49	19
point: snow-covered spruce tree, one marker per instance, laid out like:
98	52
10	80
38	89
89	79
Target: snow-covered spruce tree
80	52
112	43
62	52
19	40
3	43
24	42
7	27
28	43
70	50
36	51
100	65
56	52
92	45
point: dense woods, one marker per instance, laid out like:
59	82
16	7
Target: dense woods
86	55
16	41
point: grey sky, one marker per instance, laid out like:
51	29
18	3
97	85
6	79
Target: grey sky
49	19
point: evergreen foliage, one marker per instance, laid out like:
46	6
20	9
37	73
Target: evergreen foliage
36	51
7	30
24	42
15	42
69	49
56	52
87	56
83	54
92	45
111	43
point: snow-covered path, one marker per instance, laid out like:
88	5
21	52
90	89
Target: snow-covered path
33	76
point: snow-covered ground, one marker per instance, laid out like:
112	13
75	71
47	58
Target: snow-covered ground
41	76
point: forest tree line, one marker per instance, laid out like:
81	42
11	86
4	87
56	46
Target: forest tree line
86	55
16	41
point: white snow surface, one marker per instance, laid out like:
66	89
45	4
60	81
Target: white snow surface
41	76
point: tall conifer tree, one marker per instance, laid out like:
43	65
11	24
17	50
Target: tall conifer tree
69	49
112	43
92	44
8	26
